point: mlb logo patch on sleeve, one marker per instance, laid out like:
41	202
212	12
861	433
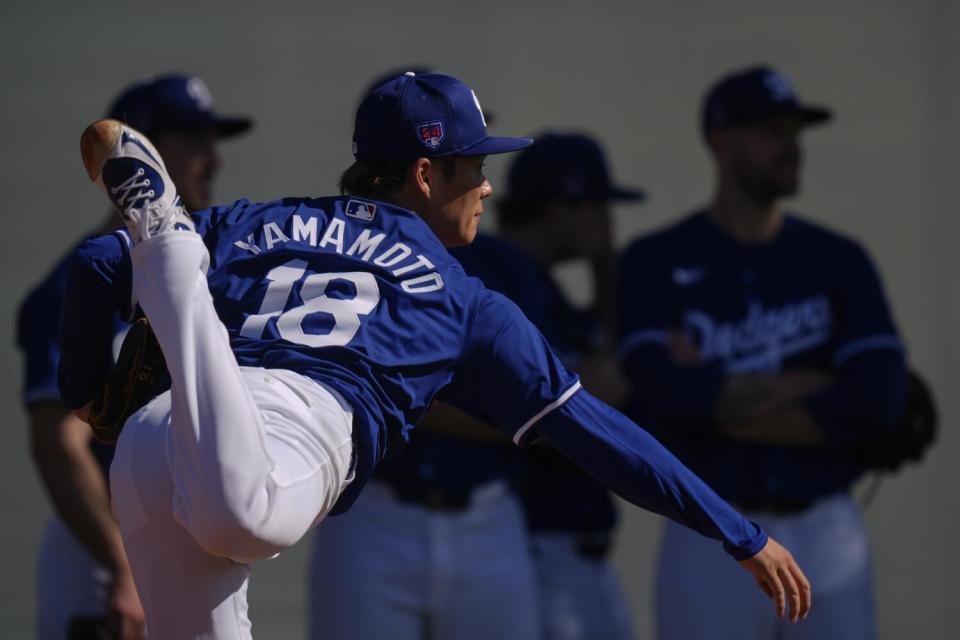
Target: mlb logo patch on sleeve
361	210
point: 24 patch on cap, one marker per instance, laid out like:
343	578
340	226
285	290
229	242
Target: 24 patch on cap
431	134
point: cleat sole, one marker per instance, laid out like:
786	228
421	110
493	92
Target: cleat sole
96	143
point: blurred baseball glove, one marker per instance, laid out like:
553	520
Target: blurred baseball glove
914	433
135	379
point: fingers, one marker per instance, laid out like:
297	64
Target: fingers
793	588
763	587
792	592
775	585
806	592
780	578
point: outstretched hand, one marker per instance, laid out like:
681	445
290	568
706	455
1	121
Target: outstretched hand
781	579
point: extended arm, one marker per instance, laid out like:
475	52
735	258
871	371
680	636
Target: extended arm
634	465
60	445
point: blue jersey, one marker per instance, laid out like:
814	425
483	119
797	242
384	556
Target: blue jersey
38	336
358	295
809	299
557	495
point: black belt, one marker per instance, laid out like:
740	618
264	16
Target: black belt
594	546
589	545
775	505
434	498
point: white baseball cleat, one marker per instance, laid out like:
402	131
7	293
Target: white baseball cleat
124	163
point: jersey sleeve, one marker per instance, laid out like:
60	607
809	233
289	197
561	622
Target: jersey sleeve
682	394
868	359
631	463
98	286
38	336
863	321
507	376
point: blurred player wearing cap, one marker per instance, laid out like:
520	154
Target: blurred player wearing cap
84	583
764	352
557	209
305	337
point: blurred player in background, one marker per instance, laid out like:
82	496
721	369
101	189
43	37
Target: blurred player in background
764	353
305	337
556	210
83	580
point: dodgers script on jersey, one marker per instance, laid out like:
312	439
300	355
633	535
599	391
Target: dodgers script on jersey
809	299
358	295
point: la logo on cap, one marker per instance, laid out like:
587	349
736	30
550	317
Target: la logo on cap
197	89
778	86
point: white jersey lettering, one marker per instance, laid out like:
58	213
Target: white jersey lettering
333	235
305	231
394	255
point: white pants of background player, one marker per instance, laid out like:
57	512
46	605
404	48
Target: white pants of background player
387	569
703	594
232	465
580	598
70	582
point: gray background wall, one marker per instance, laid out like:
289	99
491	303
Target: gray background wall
630	73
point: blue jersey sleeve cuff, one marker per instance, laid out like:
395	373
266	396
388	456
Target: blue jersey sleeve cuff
750	548
48	393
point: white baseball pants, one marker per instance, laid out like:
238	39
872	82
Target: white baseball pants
401	571
580	598
70	582
230	466
702	593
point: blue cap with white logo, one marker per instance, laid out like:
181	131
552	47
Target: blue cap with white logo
754	95
427	115
173	103
571	166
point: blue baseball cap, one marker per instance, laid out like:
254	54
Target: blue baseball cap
428	115
754	95
571	166
173	102
417	69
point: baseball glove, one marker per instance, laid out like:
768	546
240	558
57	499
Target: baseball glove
914	433
138	375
